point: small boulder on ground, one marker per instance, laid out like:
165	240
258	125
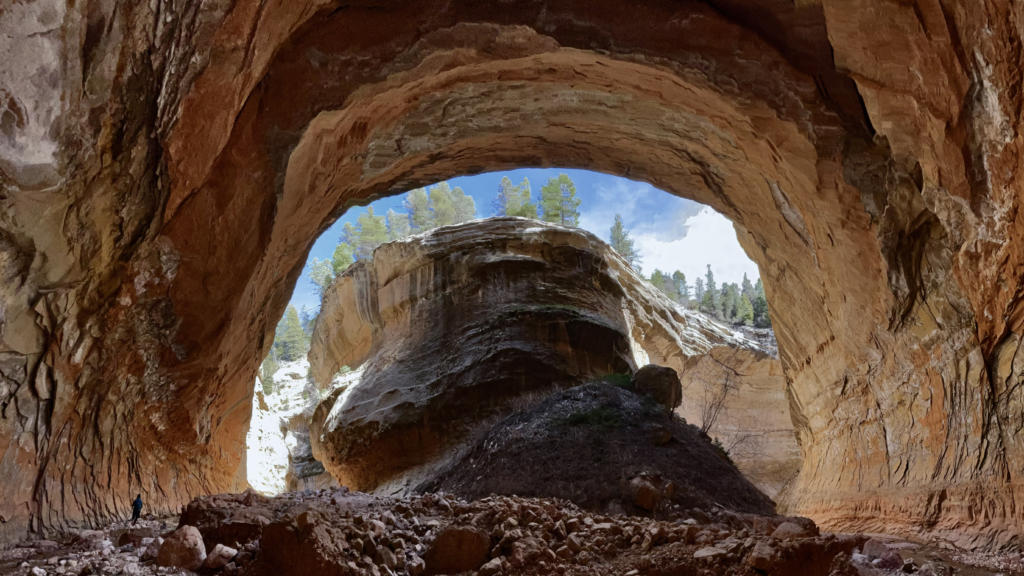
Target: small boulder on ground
661	383
219	557
646	494
762	557
184	548
875	548
458	549
789	530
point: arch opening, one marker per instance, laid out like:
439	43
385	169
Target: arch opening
719	341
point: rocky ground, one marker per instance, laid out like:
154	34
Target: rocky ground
338	532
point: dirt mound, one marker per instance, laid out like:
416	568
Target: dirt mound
606	449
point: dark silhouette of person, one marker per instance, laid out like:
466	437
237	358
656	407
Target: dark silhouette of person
136	508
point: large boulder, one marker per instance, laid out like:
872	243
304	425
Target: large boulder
466	323
660	383
183	548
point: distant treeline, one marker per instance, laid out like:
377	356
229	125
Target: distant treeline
742	303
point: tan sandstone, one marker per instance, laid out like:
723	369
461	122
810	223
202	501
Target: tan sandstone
165	169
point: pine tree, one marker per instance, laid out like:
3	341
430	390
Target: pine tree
441	204
623	244
760	305
417	204
465	206
342	258
308	320
501	201
267	369
398	225
559	202
373	231
746	288
515	200
658	279
522	206
682	289
321	273
710	302
506	201
746	311
698	291
290	340
730	302
349	235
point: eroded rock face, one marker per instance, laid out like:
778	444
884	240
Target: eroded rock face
456	327
165	169
754	424
464	325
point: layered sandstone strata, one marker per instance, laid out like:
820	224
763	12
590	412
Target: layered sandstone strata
743	392
456	327
165	168
465	324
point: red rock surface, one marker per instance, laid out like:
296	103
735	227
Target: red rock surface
165	169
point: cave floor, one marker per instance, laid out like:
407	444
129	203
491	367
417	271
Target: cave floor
341	532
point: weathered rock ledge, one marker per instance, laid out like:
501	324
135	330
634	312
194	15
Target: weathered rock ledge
460	326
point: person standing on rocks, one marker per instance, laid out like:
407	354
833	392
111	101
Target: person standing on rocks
136	508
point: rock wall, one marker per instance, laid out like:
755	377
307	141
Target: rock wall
166	166
754	423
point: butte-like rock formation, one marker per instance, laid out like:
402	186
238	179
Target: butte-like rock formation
466	324
165	167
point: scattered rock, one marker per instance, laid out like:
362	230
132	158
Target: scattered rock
761	556
875	548
491	568
708	552
645	494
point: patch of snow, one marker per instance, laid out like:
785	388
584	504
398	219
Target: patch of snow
270	439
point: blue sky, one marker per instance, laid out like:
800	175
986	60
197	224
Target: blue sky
671	233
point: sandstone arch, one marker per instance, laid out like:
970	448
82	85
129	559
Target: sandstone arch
200	151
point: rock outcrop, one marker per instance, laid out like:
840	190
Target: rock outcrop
461	326
165	169
454	328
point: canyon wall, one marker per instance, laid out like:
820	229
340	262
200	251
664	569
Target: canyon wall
742	391
164	168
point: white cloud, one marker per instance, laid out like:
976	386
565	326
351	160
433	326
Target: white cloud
711	240
644	210
621	198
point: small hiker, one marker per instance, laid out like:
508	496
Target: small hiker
136	508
